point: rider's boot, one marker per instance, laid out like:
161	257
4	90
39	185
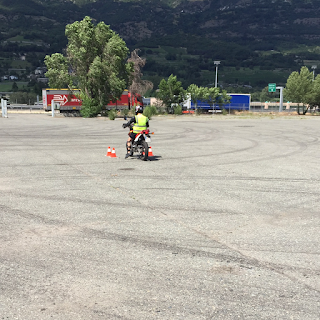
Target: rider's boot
129	152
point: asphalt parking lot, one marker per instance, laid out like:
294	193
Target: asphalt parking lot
222	223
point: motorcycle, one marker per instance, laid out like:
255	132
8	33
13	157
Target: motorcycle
140	144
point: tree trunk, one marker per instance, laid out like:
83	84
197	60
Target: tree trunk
304	111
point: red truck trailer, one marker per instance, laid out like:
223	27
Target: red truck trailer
69	102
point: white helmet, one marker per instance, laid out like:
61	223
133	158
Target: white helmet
139	109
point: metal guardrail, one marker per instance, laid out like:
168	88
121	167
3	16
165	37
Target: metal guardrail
24	107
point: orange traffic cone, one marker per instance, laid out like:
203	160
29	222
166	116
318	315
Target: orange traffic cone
113	153
150	152
109	152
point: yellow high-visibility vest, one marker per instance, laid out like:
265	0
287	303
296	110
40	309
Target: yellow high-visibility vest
140	124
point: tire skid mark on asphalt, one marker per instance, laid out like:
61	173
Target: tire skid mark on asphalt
147	243
101	234
122	238
314	140
245	259
254	145
277	268
187	133
301	148
31	216
176	136
280	269
133	204
292	252
241	258
45	165
219	178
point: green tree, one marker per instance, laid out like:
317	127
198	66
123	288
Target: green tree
209	95
58	71
212	96
223	98
314	97
299	88
196	94
95	62
171	92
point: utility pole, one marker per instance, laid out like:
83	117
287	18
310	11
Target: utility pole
216	64
281	99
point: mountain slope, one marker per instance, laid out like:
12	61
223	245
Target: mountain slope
256	40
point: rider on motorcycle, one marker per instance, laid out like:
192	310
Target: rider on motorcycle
137	123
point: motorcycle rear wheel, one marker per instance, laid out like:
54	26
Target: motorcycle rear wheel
144	150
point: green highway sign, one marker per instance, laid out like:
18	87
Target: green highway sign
272	87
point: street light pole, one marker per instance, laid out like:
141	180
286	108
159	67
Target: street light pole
313	68
281	98
216	64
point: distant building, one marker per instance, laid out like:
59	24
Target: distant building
40	71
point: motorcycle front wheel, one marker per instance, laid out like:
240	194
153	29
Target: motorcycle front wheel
144	150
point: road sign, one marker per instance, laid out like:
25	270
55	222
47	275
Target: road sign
272	87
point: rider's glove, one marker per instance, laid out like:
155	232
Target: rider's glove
124	125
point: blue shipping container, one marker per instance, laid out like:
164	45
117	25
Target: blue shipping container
238	102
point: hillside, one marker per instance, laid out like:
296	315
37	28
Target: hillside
257	41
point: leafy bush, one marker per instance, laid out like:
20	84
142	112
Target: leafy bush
90	107
150	111
154	110
125	112
177	110
112	114
147	112
224	112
